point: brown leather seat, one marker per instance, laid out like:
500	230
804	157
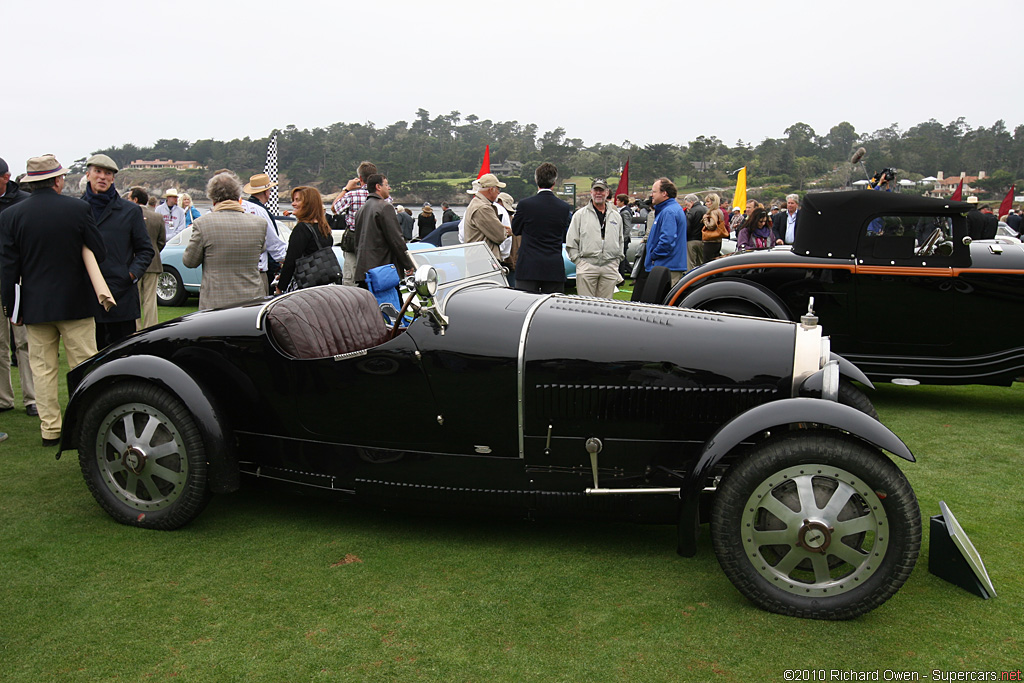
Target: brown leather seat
326	321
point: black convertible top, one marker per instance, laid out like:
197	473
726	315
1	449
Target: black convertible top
831	222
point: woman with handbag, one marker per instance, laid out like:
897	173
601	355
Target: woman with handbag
714	229
312	234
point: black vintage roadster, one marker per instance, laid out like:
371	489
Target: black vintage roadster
898	284
524	403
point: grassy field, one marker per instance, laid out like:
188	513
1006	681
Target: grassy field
271	586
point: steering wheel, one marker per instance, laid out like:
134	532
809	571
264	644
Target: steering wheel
401	314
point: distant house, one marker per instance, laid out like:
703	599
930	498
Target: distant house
164	163
507	168
944	187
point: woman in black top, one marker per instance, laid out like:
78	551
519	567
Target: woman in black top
313	232
426	221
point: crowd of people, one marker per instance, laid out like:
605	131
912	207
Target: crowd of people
84	270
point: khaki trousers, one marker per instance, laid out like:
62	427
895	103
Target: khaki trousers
596	281
348	271
43	344
147	295
694	254
28	390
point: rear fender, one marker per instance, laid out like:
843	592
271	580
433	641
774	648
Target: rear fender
768	416
224	473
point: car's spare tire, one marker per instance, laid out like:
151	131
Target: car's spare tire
143	457
816	524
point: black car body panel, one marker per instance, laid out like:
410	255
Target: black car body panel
491	400
937	318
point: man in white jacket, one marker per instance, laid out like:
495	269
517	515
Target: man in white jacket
594	244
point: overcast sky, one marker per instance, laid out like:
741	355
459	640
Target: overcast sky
82	76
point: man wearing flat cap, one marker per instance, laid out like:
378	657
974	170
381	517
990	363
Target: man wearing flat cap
258	189
129	250
41	240
481	221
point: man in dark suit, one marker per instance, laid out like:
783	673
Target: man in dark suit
41	242
542	221
123	229
784	222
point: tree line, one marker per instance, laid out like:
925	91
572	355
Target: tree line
451	146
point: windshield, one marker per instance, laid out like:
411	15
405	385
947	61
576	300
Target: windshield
459	262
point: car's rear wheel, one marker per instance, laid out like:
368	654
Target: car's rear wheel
143	457
816	524
736	307
170	288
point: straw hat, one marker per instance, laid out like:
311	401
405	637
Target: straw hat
258	183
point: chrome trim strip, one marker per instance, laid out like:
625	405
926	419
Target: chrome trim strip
521	368
461	284
630	492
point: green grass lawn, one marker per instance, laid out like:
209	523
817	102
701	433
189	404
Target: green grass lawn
274	586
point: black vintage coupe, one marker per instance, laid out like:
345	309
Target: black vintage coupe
496	400
897	284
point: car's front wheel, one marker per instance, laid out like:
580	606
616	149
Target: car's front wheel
170	288
816	524
143	457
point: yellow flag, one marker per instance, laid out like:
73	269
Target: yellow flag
739	198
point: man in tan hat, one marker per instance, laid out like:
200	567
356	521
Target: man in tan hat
258	189
174	216
481	220
41	242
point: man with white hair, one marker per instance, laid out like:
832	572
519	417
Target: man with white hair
784	222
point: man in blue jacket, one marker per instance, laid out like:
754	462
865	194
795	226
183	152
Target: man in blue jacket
666	244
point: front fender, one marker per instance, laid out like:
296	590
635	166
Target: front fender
785	412
224	473
769	416
851	371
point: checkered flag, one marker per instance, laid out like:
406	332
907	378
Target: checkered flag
271	170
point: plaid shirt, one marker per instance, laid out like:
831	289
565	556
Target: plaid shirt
350	203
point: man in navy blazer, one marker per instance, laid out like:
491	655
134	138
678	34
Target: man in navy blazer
784	222
542	221
41	242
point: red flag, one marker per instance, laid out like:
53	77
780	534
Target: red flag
1004	208
623	187
486	166
959	193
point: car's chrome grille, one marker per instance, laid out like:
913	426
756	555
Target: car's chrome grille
646	403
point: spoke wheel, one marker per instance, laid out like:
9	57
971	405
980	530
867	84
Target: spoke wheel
816	525
143	457
170	288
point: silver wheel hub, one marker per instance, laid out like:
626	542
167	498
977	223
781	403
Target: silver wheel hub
815	530
142	457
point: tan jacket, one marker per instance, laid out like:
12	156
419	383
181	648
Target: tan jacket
228	244
157	235
482	224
